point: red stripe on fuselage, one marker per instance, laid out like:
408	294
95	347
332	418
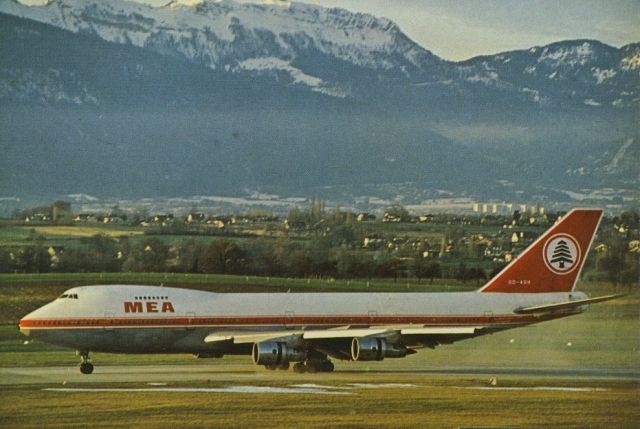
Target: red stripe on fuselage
243	321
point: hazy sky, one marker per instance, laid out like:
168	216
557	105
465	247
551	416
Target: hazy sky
459	29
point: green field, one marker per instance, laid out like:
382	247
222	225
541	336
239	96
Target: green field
16	236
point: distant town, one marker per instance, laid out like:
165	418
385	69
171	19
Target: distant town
310	241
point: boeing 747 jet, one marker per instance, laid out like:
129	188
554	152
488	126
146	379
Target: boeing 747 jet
306	329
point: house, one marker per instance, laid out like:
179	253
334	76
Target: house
162	220
54	254
85	218
622	228
38	217
218	222
195	218
238	219
388	217
113	218
602	248
373	243
294	224
362	217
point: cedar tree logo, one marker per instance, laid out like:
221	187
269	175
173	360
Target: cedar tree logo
561	254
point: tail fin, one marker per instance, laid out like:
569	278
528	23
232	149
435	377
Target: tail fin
554	261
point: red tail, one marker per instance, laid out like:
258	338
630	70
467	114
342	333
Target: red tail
554	261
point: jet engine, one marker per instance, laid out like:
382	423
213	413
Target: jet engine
273	353
369	348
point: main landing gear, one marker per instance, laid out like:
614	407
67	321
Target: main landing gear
283	366
308	365
86	367
314	365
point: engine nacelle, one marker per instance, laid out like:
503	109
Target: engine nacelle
273	353
369	348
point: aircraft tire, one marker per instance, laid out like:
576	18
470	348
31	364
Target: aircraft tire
327	366
86	368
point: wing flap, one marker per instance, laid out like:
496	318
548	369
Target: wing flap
563	305
217	338
252	337
326	334
447	330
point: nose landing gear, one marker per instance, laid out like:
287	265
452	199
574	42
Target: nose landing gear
86	367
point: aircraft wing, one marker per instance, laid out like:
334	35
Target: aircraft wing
424	335
294	335
563	305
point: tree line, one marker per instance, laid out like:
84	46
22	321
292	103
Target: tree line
261	257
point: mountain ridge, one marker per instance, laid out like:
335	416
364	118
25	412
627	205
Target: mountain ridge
146	120
259	39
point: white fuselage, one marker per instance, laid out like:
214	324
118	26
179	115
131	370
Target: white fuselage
142	319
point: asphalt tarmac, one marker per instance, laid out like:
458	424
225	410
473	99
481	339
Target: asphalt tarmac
159	375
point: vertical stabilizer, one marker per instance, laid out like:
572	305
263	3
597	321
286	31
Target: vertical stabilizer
554	261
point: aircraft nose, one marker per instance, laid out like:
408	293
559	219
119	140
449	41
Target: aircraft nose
27	322
24	326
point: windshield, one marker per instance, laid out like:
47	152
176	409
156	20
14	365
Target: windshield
68	296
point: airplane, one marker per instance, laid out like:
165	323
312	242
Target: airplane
306	329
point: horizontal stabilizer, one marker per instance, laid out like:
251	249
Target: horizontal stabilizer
563	305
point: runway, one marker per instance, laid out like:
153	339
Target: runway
247	374
220	395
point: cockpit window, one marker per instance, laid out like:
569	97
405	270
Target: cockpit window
68	296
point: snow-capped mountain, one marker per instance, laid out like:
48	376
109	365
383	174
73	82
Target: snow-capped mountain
340	53
241	37
574	71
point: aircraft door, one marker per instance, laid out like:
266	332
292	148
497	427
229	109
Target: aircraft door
191	320
289	317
